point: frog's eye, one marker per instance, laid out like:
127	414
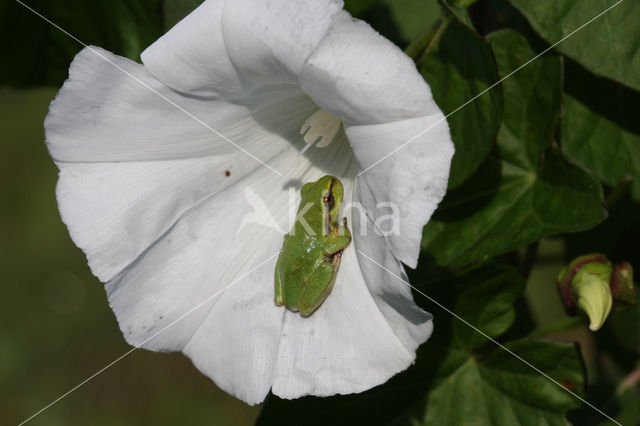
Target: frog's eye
331	201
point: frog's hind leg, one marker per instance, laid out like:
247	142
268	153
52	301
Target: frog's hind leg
311	296
278	285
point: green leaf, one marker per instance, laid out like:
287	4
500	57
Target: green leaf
399	20
505	207
501	390
532	99
525	192
457	379
601	129
627	407
459	9
39	54
458	66
608	46
483	295
176	10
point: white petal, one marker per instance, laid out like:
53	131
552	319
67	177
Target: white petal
268	41
112	109
183	270
361	77
240	338
197	258
229	47
414	178
237	345
192	56
113	210
381	269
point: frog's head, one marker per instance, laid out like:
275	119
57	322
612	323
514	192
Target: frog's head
326	193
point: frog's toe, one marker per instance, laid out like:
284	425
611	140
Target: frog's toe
305	311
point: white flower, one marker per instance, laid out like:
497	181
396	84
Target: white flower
144	190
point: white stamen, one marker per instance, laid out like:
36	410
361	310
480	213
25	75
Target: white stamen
321	127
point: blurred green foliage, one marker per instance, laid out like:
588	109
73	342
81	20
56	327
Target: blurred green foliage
551	152
39	53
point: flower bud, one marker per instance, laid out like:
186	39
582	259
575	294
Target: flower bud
621	285
584	285
590	286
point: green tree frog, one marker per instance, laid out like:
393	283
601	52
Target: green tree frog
310	255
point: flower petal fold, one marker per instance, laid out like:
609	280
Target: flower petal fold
200	264
269	41
112	109
405	169
388	283
229	48
103	123
361	77
192	56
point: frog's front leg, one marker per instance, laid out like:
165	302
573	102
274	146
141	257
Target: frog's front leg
337	240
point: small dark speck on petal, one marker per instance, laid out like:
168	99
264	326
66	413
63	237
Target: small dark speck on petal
227	173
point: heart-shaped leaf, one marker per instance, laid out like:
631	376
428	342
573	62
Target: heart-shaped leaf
524	192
